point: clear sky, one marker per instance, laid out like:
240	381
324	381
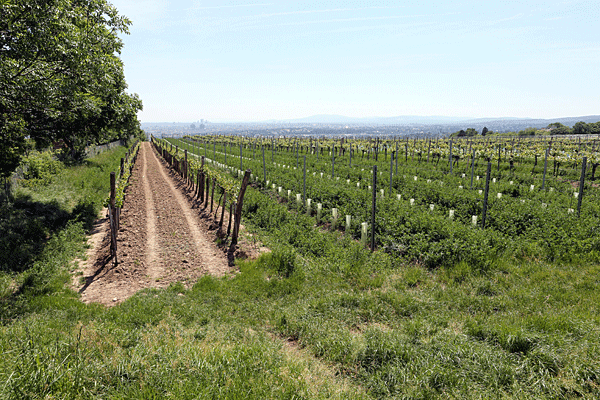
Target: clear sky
256	60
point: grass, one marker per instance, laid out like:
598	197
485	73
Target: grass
87	182
41	211
319	317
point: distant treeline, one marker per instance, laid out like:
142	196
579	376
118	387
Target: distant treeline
556	128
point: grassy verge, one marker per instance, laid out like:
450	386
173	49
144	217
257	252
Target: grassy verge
43	230
319	317
519	329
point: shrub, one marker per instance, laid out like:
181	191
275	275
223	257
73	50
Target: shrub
40	168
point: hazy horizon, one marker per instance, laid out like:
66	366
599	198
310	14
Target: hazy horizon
358	120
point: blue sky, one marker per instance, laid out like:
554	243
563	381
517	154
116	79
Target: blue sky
260	60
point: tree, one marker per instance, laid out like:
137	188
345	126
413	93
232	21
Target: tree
61	77
528	132
462	133
556	128
581	128
484	131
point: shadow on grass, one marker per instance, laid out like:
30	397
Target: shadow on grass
26	225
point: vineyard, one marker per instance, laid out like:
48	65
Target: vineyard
383	268
432	202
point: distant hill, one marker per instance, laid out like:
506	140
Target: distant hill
439	124
517	124
433	120
565	120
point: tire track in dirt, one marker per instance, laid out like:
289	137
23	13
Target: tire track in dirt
210	258
154	271
161	239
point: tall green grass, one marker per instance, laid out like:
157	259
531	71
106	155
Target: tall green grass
86	183
43	208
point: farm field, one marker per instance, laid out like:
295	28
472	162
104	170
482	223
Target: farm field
426	210
441	309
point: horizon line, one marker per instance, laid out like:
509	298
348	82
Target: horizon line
357	119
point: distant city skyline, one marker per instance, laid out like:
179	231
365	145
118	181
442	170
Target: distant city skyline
247	61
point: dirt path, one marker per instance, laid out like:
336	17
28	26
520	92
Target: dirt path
162	239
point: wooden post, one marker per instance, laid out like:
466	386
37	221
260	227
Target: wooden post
113	217
219	201
472	168
333	162
391	171
373	208
223	209
304	188
581	183
545	168
207	191
198	185
396	156
450	157
185	173
485	196
264	167
212	194
202	177
230	218
118	219
350	153
499	155
428	150
122	167
238	210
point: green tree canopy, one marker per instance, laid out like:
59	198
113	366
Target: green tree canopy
61	77
559	129
581	128
462	133
528	132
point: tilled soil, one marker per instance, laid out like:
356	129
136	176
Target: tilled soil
162	238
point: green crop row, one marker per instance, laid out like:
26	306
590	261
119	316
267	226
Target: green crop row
227	183
428	218
123	176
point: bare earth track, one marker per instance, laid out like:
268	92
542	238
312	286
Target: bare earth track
162	239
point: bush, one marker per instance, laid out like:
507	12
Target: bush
40	168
